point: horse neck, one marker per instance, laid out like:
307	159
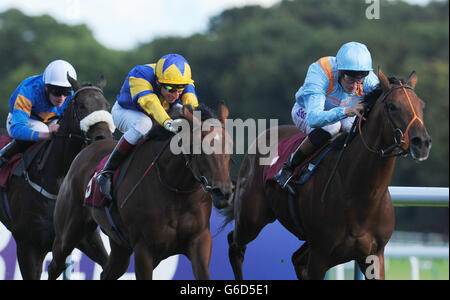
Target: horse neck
173	169
367	172
62	151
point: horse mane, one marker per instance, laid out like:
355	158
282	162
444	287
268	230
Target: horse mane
369	101
371	98
159	133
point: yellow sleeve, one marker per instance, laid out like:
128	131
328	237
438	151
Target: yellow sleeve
147	99
138	86
190	98
152	106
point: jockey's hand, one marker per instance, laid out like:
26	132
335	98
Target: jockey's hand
173	125
355	110
53	129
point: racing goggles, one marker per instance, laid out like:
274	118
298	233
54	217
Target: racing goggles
174	88
58	91
355	76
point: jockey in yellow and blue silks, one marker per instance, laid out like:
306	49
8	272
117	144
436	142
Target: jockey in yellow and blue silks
148	91
35	107
329	100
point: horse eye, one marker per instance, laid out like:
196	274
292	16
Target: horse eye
392	107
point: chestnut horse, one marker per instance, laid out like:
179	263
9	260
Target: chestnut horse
168	211
30	216
355	218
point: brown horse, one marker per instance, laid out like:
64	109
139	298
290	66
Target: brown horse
355	220
30	216
168	213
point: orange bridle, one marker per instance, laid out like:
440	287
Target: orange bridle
401	139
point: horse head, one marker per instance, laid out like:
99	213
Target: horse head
87	113
210	152
403	118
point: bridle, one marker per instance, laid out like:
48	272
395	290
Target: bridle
83	136
401	139
204	183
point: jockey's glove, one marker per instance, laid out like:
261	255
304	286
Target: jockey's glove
173	125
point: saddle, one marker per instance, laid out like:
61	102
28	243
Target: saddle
304	171
20	162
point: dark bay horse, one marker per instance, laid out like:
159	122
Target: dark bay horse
167	214
356	218
31	212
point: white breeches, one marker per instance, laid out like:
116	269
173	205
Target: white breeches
132	123
299	117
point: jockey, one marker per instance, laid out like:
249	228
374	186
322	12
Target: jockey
35	107
329	100
148	91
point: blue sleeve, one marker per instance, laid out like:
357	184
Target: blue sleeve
19	129
313	95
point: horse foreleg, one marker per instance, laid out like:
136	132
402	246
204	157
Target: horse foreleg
117	263
143	262
30	261
58	263
200	255
93	247
317	266
372	266
300	259
236	255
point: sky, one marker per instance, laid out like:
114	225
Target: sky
124	24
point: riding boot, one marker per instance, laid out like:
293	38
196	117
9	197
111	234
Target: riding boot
11	149
305	149
315	139
104	179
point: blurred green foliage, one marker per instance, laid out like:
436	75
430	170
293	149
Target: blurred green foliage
256	58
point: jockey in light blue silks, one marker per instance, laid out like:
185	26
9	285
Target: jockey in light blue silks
329	100
35	107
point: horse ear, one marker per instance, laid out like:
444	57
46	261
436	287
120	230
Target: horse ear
223	112
73	82
412	80
384	81
101	82
190	116
187	113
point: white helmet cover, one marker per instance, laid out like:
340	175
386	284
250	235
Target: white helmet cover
56	73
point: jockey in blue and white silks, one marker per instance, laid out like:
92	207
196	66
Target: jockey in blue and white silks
147	92
329	100
35	107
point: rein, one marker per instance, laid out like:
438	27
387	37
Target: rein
384	153
83	137
204	183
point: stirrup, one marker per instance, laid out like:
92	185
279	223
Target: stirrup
284	176
104	181
285	182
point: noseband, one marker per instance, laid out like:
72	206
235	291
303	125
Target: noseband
401	139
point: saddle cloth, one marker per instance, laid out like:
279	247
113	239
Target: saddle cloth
7	170
92	196
285	148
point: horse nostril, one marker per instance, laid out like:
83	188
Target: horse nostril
418	142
